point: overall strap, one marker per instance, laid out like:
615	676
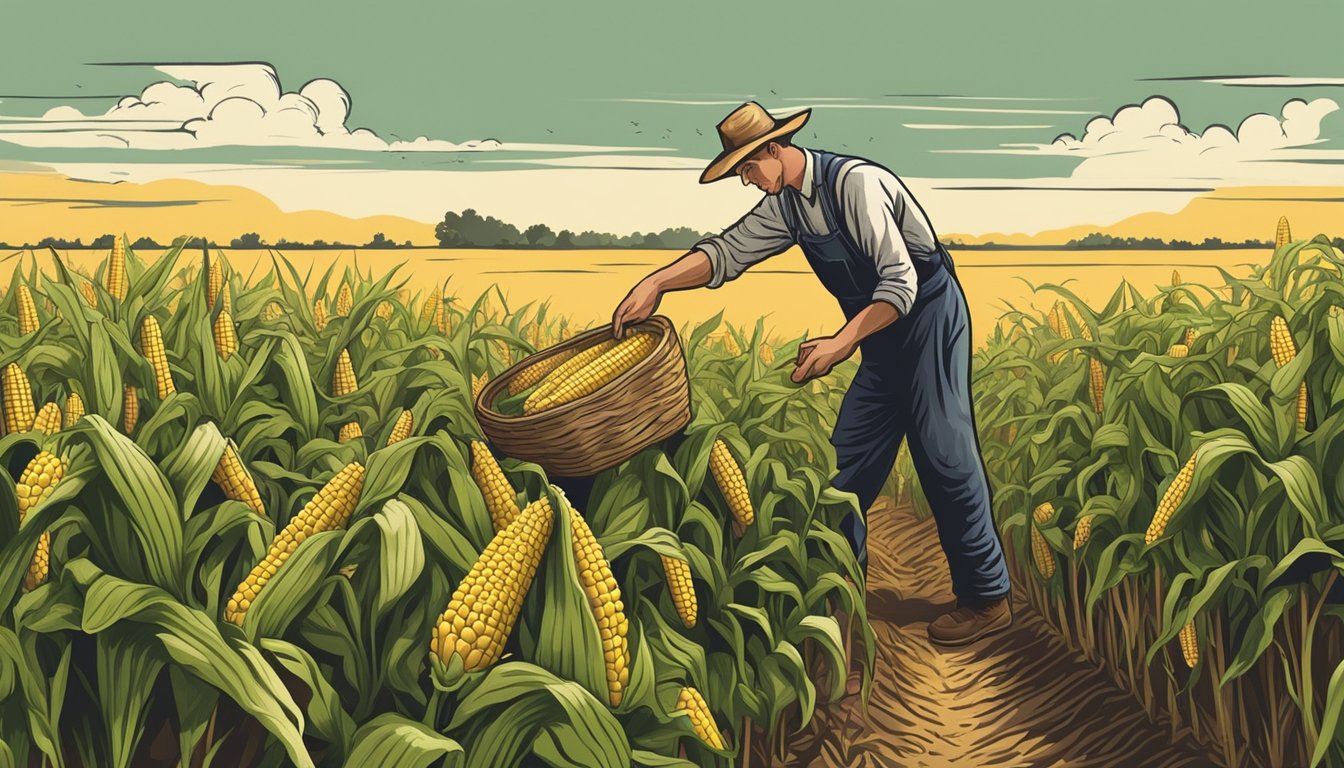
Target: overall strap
832	206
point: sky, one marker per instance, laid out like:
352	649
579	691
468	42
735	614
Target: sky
601	114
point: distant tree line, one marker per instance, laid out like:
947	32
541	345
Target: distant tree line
469	229
1099	240
242	242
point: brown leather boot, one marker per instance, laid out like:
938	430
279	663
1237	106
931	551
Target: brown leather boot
965	624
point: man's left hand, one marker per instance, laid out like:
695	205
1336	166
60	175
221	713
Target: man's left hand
817	357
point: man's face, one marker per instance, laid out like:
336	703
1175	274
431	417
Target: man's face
763	169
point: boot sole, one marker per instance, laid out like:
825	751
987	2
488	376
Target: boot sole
962	642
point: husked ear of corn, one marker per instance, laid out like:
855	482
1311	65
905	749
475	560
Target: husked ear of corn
500	498
226	336
236	482
114	279
1040	552
349	431
1284	349
28	322
74	409
1171	499
767	353
1190	644
732	484
402	429
345	300
1284	234
213	282
562	372
343	378
90	295
1191	335
319	314
226	299
130	408
604	599
538	370
48	419
1178	350
596	374
484	607
478	385
1096	377
36	483
1043	513
151	346
432	309
682	587
16	394
1082	532
702	720
328	510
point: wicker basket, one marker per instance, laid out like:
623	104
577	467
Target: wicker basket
650	401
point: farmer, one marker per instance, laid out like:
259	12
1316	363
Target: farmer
872	247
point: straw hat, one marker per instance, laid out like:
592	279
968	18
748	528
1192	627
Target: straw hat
747	129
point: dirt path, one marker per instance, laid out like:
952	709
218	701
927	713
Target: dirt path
1020	698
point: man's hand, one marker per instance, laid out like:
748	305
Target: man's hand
638	306
818	356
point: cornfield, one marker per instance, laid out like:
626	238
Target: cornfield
1198	517
223	570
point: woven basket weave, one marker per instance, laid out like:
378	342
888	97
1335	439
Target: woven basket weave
650	401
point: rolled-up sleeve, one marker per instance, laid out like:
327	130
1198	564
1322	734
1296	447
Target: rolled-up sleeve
875	206
753	238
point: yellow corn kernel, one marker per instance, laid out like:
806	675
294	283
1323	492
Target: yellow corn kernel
28	322
1281	344
1178	350
1190	644
538	370
16	394
74	409
702	720
114	279
595	375
90	295
319	314
565	370
402	429
343	380
767	353
604	600
501	500
1082	532
1171	499
130	408
1191	335
1097	384
48	420
1040	552
226	336
481	614
682	587
732	484
345	300
478	385
234	479
328	510
350	431
151	346
35	484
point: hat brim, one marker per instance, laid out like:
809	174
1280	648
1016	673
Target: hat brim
728	160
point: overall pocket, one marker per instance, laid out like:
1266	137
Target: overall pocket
835	273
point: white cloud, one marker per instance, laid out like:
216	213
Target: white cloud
230	105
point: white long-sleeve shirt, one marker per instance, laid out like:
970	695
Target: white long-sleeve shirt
879	212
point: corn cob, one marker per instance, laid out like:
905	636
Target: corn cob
538	370
500	498
596	374
272	311
1097	384
1284	234
130	408
74	409
1061	326
1178	350
48	419
17	396
728	476
1191	335
1043	513
429	312
214	281
1190	644
226	336
481	614
1040	552
319	314
562	372
115	279
1077	318
384	310
349	431
34	486
90	295
682	587
234	479
226	299
328	510
151	346
1175	278
1284	349
767	353
503	352
402	429
1175	493
702	720
604	599
730	344
28	321
343	380
345	300
1082	532
1052	319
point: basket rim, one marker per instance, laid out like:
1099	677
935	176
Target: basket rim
655	322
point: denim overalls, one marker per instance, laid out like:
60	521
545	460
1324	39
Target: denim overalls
913	381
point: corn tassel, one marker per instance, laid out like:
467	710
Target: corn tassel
501	500
114	279
595	375
484	607
402	429
151	346
343	380
682	587
328	510
130	408
604	599
74	409
28	322
1171	499
48	420
234	479
732	484
35	485
702	720
17	396
226	336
